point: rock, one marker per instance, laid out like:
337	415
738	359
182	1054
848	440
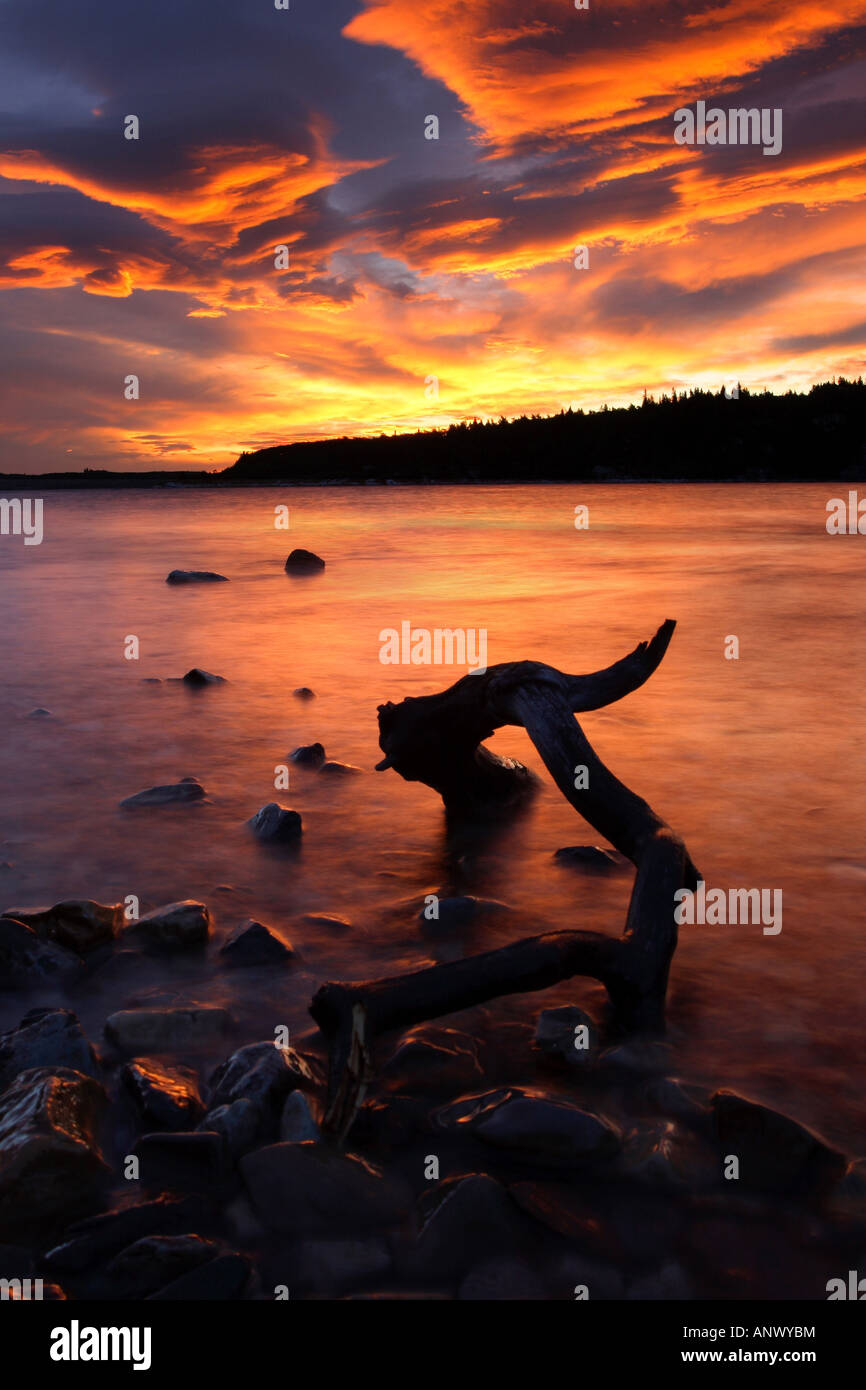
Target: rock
499	1279
51	1167
80	926
26	961
39	713
183	793
567	1033
45	1038
216	1280
153	1261
473	1218
252	943
187	1161
195	577
262	1073
776	1153
275	824
238	1124
180	926
457	913
141	1031
334	769
92	1241
590	857
467	1109
311	1189
671	1097
304	562
196	677
330	1266
547	1131
296	1122
308	755
167	1097
325	921
304	692
434	1063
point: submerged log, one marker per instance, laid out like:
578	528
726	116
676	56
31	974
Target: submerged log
435	739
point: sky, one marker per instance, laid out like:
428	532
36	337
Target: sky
428	280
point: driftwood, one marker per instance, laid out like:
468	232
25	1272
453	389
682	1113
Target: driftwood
435	740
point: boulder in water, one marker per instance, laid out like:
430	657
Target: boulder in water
195	577
304	562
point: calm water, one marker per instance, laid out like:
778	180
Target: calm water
759	763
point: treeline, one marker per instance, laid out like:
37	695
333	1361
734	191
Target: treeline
697	435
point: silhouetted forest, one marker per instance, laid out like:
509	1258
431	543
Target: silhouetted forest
695	436
699	436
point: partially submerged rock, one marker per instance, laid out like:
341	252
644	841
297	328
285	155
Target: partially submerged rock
304	562
166	1097
590	857
311	1189
141	1031
326	921
304	692
276	825
252	943
182	793
180	926
457	913
197	677
335	769
45	1038
776	1153
308	755
26	961
51	1166
79	924
195	577
567	1033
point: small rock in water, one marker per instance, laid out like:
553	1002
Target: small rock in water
171	794
568	1033
308	755
195	577
252	943
39	713
197	677
25	961
297	1123
51	1167
275	824
153	1261
45	1038
334	769
776	1153
589	857
177	927
325	921
80	926
304	692
304	562
546	1130
141	1031
238	1124
167	1097
453	914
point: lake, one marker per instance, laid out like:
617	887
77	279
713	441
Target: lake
758	762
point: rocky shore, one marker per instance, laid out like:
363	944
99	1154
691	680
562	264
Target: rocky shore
174	1158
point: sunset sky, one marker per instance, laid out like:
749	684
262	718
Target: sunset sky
410	258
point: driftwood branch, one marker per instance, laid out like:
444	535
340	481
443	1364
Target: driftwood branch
434	739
